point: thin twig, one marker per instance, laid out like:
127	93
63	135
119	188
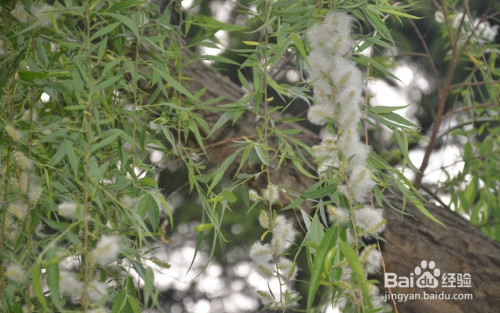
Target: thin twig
442	92
474	84
384	270
471	107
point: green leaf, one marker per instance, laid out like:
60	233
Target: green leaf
299	44
291	132
251	43
148	182
54	136
211	23
357	269
163	204
219	172
149	280
203	227
127	22
396	12
119	302
103	31
375	41
61	226
102	48
110	137
316	191
318	265
52	274
175	84
60	153
154	213
315	232
403	146
107	83
228	196
220	122
72	158
31	75
146	201
244	81
392	120
367	61
386	109
262	154
133	303
122	5
399	119
218	58
411	193
37	285
373	16
298	164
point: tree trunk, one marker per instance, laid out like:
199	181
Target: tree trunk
460	248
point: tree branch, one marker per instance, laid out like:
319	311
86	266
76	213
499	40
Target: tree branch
458	248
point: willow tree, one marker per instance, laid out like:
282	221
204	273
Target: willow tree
111	108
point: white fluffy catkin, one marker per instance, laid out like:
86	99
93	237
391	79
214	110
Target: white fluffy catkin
337	85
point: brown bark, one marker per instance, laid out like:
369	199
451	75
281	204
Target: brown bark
458	248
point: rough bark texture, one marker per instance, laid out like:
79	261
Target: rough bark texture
458	248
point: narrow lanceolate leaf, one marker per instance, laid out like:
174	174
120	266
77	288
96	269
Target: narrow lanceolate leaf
203	227
387	109
175	84
299	44
72	158
149	280
133	304
37	285
371	62
112	135
316	191
163	204
357	270
318	265
52	274
103	31
410	194
389	9
403	146
392	120
216	175
119	301
60	153
261	153
373	16
108	83
130	24
122	5
251	43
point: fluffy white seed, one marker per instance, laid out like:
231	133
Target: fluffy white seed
15	273
15	134
360	182
261	253
107	249
370	220
67	209
23	161
319	114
